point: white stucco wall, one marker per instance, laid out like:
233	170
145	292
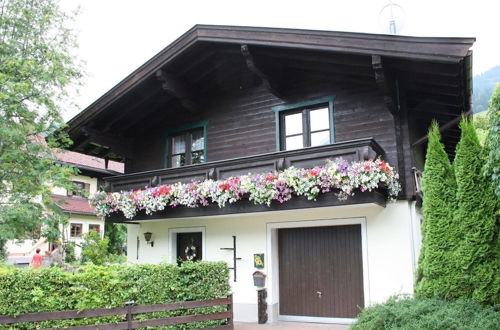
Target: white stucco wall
389	247
81	178
85	221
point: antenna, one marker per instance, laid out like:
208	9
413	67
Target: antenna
391	18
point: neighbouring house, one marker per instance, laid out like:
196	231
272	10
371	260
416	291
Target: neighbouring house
222	101
82	216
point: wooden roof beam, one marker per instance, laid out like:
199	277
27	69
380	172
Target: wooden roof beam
131	108
318	57
433	69
116	143
384	84
267	81
443	128
176	88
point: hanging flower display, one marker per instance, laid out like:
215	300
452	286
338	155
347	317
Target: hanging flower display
338	176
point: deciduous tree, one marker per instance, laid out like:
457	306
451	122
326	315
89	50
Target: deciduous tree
36	68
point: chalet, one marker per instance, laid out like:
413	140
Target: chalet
74	203
222	101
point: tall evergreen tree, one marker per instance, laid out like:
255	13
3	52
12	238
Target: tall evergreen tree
493	141
436	269
477	253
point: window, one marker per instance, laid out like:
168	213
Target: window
81	189
75	230
187	148
304	124
186	145
96	228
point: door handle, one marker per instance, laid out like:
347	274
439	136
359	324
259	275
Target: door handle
319	294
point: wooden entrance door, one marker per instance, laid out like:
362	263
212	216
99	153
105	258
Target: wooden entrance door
185	244
321	271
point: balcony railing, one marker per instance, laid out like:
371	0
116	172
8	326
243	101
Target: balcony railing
355	150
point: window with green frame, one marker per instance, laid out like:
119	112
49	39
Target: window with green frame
186	145
305	124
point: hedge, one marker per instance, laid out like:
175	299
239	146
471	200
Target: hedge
427	314
54	289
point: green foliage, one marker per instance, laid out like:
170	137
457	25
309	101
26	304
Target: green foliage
435	314
94	248
477	251
482	125
436	274
3	252
117	235
69	252
493	141
36	67
52	289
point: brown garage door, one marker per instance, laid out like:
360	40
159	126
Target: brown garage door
321	271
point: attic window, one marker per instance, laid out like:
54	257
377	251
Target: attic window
307	124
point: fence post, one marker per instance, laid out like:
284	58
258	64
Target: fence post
129	305
230	310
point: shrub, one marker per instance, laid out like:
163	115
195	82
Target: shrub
117	235
69	252
94	248
52	289
414	313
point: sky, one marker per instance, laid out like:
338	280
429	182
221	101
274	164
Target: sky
117	36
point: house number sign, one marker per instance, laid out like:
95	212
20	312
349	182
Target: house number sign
258	260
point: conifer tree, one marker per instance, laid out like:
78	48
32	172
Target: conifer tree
436	269
476	256
493	140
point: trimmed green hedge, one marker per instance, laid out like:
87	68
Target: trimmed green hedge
53	289
427	314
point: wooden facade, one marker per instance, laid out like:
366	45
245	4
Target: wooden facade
232	81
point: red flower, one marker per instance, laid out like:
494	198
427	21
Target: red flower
383	166
270	177
314	172
225	186
367	168
162	190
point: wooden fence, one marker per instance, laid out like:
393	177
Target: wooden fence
130	310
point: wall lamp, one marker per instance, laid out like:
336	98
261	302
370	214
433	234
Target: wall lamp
147	237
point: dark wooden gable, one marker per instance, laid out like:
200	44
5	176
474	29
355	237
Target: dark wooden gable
386	87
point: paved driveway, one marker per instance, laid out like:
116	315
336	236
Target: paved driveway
289	325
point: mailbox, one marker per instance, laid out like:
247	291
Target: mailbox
259	279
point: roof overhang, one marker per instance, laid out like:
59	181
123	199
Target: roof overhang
442	50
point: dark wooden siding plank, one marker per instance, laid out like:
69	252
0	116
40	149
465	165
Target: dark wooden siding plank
243	123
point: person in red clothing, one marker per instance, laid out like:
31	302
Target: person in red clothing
36	261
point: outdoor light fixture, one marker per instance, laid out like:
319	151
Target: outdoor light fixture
147	237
